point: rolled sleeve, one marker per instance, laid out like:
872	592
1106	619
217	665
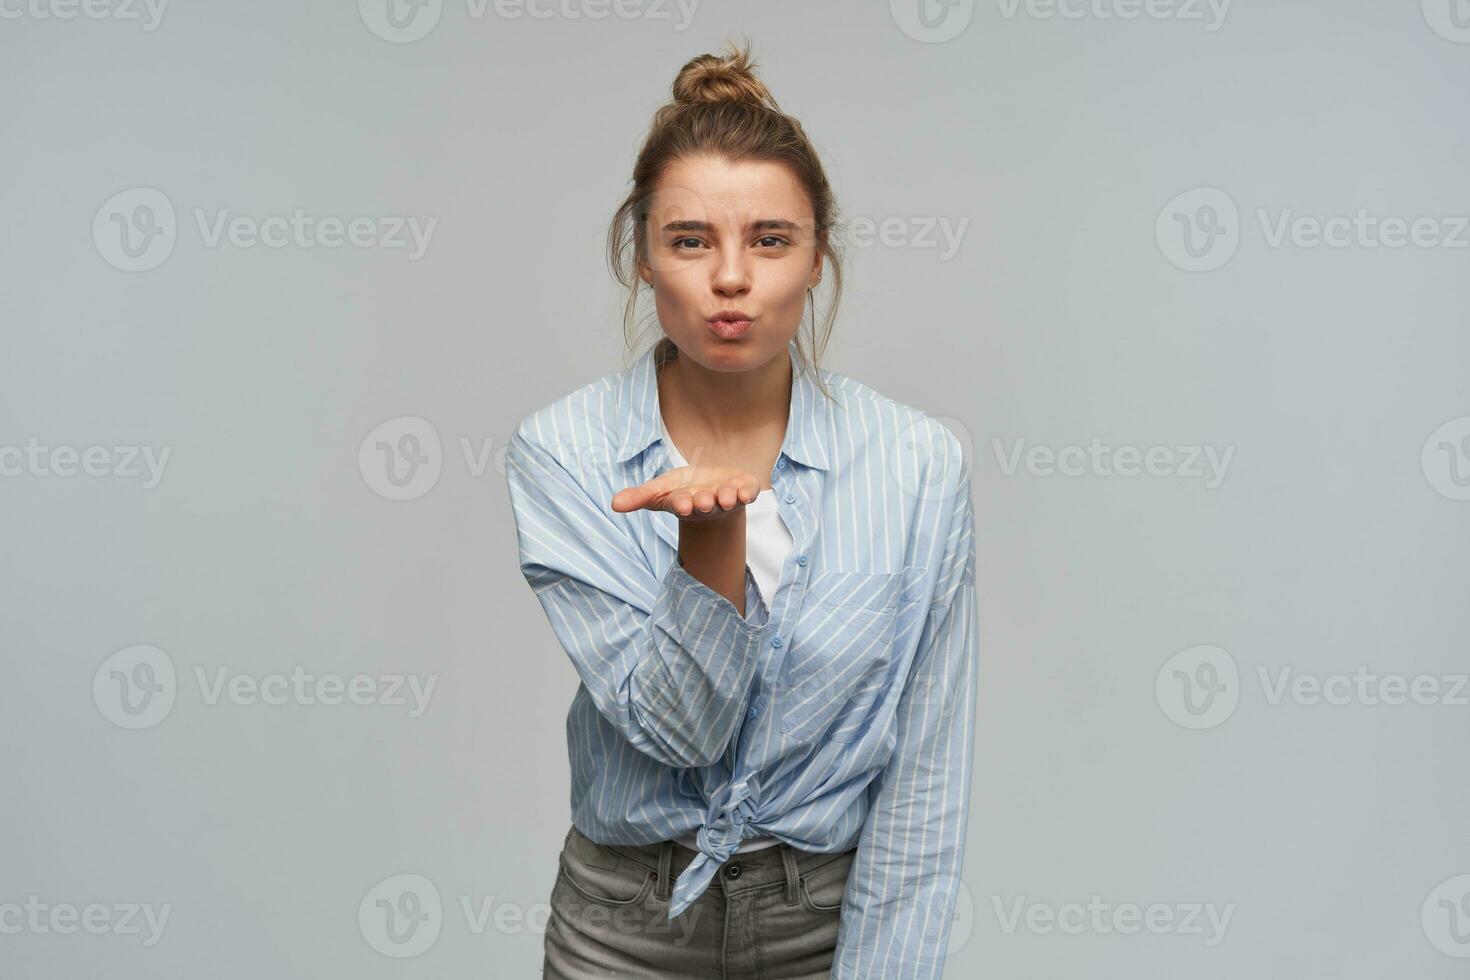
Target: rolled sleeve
694	686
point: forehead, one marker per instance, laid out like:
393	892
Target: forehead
718	190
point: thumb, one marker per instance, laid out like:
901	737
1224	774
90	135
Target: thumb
629	498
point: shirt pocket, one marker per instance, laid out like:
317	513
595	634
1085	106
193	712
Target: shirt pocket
839	667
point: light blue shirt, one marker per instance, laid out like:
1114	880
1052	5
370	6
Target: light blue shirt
842	714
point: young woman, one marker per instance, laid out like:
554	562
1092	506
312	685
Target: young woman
763	573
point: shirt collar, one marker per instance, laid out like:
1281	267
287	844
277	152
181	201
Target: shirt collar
642	421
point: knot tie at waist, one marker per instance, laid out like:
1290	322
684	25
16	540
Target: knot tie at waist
724	828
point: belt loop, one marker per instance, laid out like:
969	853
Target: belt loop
664	888
789	860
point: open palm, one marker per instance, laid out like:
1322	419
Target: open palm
697	494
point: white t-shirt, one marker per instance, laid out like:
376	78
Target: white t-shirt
767	543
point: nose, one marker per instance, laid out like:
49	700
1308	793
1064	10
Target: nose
732	275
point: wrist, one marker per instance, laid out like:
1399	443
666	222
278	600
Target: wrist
713	535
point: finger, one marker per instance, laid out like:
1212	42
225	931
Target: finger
681	503
704	500
629	498
635	498
728	496
749	491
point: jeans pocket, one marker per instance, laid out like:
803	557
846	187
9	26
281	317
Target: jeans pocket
821	890
610	879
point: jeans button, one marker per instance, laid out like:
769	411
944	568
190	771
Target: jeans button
732	871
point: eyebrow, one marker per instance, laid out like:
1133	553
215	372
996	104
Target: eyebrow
764	224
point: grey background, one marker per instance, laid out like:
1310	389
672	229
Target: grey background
1328	546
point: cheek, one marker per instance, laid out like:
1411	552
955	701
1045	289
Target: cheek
789	282
789	297
674	295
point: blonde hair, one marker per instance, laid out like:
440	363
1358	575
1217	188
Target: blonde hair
720	107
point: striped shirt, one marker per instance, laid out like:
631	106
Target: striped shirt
839	715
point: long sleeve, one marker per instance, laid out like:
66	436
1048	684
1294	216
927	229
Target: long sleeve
905	879
668	662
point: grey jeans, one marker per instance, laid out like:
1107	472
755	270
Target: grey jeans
768	913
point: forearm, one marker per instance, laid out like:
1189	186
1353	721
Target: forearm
714	553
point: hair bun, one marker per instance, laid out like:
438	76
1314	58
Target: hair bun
713	78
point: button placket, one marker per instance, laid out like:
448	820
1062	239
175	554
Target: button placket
784	481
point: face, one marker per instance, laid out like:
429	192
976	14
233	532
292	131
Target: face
730	236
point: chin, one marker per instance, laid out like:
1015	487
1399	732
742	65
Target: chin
722	355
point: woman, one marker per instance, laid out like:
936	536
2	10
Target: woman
763	573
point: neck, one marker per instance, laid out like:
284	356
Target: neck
726	410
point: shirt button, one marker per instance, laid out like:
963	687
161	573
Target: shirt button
781	463
732	871
801	560
753	712
776	642
791	498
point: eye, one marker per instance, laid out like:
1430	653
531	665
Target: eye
676	242
777	239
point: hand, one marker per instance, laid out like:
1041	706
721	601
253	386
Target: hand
696	494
